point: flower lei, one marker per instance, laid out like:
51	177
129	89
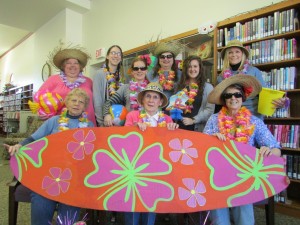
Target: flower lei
239	130
167	84
63	121
191	94
228	73
161	118
80	80
113	85
135	88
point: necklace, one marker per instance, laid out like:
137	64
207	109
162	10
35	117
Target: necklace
161	118
191	95
135	88
228	72
112	83
63	121
167	84
80	80
239	129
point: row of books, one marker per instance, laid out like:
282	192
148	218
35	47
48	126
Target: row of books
278	23
281	79
281	197
267	51
292	166
281	113
286	135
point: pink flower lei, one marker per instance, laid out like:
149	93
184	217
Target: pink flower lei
135	88
112	84
161	118
167	84
80	80
228	72
63	121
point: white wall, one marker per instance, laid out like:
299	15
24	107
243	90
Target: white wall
129	23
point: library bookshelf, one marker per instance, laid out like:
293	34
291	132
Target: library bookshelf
272	36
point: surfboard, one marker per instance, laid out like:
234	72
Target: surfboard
125	169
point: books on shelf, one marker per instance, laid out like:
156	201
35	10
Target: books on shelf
286	135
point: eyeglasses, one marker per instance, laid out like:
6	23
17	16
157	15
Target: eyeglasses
115	53
139	68
236	95
166	56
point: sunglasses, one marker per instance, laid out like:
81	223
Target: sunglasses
236	95
139	68
166	56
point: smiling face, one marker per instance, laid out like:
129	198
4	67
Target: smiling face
71	68
140	74
151	101
75	105
166	60
193	70
234	103
114	57
235	55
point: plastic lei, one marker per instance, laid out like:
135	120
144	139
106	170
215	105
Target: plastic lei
112	84
239	130
63	121
80	80
167	84
161	118
228	73
135	88
191	94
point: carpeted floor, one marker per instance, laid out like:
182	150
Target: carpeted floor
24	208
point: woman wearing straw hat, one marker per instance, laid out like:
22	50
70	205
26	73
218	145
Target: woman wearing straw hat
108	80
166	71
237	123
235	61
70	61
152	99
127	94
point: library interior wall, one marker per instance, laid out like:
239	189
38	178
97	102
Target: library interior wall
128	23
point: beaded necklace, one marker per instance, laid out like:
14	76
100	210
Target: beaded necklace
167	84
63	121
80	80
191	94
135	88
161	118
228	72
112	83
239	129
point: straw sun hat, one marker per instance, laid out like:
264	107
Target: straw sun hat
161	46
250	84
234	43
156	87
60	54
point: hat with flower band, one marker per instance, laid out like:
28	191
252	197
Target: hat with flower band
156	87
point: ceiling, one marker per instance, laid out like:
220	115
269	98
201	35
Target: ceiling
20	18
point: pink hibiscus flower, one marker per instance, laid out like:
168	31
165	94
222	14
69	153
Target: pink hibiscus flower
182	151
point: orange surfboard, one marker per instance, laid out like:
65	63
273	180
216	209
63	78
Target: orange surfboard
125	169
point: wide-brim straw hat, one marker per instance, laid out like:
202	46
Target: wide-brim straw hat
161	46
61	54
234	43
156	87
250	84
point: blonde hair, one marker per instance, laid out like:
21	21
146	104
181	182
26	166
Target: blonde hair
79	93
226	64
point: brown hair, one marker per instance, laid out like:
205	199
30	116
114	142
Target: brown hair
120	65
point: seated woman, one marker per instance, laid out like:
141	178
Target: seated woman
235	122
76	101
152	99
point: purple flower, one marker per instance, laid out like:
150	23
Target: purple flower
182	151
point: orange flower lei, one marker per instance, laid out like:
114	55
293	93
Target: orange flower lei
239	130
191	94
113	85
161	118
167	84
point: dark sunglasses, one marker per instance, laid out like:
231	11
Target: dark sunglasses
139	68
166	56
236	95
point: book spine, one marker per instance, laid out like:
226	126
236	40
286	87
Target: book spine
295	166
289	166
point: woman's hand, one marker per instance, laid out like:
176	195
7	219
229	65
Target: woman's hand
220	136
108	120
187	121
142	126
280	102
12	149
266	151
172	126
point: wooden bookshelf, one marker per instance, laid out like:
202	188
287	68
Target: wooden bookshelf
292	208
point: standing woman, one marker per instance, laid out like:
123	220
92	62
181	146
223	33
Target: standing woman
109	79
127	94
193	83
166	72
70	62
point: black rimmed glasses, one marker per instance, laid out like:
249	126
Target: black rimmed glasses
170	56
139	68
115	53
236	95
